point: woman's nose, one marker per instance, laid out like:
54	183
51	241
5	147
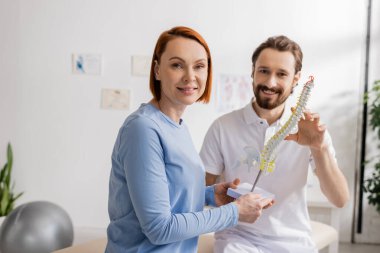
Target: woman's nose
189	76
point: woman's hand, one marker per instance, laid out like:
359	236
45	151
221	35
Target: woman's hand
220	192
250	206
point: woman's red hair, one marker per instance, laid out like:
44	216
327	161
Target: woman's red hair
165	37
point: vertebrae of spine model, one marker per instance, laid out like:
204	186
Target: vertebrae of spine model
267	155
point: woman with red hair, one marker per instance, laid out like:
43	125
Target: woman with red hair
157	184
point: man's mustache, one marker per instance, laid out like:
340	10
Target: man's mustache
265	88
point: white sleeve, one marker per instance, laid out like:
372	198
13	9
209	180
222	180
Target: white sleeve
211	154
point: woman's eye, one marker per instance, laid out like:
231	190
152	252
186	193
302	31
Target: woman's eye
176	65
200	66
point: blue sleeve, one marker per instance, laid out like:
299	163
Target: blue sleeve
142	157
210	196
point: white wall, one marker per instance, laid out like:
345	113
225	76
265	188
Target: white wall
62	140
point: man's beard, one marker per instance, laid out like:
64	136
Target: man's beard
266	103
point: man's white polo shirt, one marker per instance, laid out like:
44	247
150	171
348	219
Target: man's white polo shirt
227	149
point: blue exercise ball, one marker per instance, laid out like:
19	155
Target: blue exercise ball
36	227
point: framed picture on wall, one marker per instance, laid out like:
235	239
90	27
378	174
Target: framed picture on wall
232	92
87	64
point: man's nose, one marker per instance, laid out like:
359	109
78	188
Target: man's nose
271	81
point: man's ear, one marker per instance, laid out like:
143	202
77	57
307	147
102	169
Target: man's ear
157	70
296	79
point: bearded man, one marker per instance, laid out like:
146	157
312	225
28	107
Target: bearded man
285	227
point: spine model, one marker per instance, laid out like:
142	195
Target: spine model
267	155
